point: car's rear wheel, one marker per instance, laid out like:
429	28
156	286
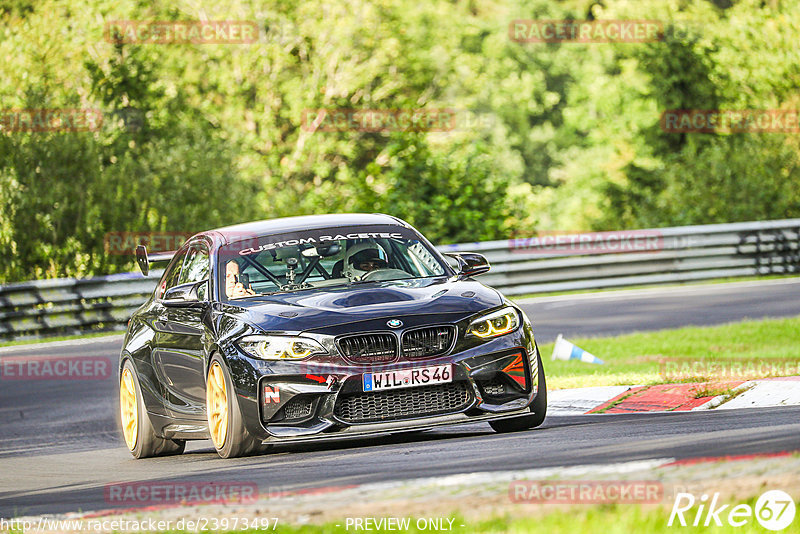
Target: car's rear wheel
225	423
538	407
137	430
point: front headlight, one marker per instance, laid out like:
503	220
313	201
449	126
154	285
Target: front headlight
495	324
280	347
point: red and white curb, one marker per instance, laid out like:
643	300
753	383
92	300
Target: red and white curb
762	393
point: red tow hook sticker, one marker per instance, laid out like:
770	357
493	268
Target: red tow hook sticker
330	381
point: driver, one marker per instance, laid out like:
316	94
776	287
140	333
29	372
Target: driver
364	258
233	286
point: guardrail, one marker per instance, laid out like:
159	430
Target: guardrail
519	266
679	254
67	306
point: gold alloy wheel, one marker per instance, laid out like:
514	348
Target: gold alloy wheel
128	409
217	405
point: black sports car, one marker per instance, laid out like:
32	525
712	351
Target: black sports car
318	327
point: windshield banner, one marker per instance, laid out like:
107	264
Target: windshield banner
321	237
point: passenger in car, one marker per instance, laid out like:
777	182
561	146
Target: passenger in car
234	288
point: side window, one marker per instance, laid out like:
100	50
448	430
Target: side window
196	267
170	277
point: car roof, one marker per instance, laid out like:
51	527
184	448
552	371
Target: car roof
305	222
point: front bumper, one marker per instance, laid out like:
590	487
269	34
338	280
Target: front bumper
299	401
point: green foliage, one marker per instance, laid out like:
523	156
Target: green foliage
731	59
566	136
449	195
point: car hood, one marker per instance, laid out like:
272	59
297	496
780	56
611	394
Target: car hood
448	300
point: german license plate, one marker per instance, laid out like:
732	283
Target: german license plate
406	378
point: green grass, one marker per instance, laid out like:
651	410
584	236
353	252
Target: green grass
655	286
715	391
635	358
610	519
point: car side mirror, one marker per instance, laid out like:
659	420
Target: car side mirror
470	263
191	294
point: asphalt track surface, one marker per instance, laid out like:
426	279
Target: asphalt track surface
60	445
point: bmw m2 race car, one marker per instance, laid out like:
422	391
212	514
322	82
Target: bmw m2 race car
317	327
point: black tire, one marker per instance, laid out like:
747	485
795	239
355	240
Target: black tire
148	444
238	441
538	407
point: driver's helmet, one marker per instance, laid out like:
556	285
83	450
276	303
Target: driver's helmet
364	258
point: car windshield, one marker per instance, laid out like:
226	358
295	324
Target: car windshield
322	259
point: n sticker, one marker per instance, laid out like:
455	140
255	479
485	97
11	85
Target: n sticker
272	394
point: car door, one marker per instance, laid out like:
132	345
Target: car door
180	353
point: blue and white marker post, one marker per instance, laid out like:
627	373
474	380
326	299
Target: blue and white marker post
564	350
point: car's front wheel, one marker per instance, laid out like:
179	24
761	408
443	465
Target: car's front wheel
225	422
137	430
538	407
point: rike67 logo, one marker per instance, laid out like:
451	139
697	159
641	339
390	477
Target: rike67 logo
774	510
